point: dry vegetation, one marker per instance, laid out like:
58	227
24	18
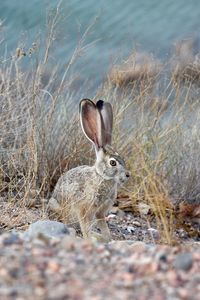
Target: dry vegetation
157	117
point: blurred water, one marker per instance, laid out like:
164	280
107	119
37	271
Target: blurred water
121	26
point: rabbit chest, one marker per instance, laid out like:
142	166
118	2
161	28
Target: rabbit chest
105	193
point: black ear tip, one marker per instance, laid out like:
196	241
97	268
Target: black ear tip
100	104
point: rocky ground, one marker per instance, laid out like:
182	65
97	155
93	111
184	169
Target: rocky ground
133	266
73	268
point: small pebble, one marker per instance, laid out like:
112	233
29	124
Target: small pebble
183	261
136	223
130	229
110	216
144	208
161	256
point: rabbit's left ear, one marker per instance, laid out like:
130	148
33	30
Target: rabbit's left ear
106	112
91	122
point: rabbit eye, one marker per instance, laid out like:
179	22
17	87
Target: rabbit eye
113	162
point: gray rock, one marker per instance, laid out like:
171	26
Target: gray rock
47	228
183	261
11	238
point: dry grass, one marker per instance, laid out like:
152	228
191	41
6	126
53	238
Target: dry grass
156	129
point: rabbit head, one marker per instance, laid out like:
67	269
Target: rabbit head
97	122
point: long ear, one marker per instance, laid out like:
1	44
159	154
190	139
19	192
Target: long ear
106	112
91	122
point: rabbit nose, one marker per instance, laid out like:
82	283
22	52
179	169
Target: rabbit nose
128	174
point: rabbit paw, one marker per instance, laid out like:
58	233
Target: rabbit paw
100	238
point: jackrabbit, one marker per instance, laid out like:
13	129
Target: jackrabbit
89	191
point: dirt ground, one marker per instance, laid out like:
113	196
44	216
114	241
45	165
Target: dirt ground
133	266
123	225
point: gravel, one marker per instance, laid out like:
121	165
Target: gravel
50	262
67	267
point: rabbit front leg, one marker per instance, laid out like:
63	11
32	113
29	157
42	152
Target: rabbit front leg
101	223
85	220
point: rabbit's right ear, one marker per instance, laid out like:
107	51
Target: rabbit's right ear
91	123
106	113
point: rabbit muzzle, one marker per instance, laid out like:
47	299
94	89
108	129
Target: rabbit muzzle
123	177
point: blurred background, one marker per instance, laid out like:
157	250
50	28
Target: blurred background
114	29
